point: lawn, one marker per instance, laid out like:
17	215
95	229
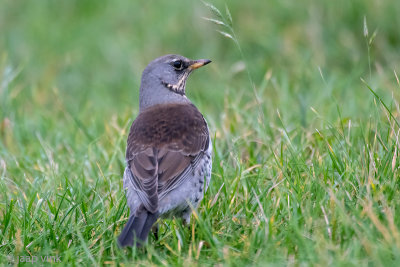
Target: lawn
302	101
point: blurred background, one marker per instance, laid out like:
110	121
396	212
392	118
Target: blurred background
87	56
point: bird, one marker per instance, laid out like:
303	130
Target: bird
168	152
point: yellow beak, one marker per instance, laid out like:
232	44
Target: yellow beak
195	64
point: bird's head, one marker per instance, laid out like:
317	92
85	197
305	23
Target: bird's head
171	72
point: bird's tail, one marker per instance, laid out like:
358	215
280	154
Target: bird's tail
138	228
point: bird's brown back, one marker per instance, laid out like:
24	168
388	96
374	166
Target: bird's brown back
180	127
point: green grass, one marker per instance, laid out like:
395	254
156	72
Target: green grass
306	154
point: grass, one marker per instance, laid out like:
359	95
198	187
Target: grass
306	154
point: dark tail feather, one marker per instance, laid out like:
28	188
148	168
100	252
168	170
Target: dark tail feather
137	226
133	227
151	219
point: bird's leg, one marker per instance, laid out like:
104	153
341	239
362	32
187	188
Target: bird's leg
154	229
186	217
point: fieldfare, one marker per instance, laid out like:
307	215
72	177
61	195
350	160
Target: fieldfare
168	150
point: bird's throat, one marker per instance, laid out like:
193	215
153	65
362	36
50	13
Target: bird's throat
179	87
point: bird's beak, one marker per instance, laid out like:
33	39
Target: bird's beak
195	64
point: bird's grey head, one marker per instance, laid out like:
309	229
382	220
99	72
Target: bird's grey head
164	80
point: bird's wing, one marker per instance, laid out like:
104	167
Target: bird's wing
164	144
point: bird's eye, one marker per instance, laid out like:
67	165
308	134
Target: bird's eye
177	64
